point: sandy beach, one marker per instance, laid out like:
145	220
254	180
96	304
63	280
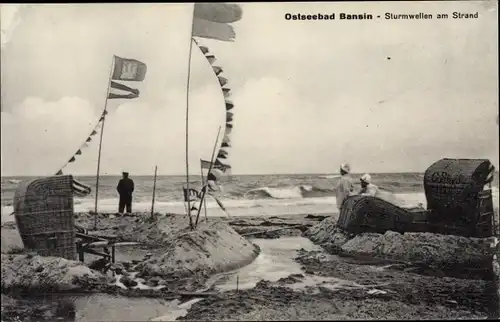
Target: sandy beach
236	282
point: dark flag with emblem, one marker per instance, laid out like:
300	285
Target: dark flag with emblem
191	194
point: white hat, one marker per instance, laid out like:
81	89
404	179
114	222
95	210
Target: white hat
345	167
366	178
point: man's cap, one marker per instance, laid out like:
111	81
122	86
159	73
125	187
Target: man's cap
366	178
345	167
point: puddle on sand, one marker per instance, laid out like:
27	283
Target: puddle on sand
105	307
275	261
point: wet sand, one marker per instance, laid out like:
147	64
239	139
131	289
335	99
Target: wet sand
373	291
364	289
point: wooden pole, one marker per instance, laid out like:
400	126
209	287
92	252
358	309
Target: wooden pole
100	144
154	191
187	119
203	184
209	170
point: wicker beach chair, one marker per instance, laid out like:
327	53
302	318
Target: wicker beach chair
459	197
44	214
459	202
370	214
43	210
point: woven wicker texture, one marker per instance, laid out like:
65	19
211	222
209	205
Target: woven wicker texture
453	188
370	214
44	215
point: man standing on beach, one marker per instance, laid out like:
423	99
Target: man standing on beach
345	187
125	189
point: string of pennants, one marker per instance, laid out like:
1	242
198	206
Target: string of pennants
221	164
123	69
85	144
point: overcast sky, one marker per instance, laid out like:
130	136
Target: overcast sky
308	95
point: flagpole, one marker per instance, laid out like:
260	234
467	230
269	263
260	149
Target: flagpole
154	191
100	143
203	184
187	117
209	170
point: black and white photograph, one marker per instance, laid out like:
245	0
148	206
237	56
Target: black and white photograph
255	161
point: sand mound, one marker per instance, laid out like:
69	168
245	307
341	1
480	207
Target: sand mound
23	273
421	247
425	248
327	234
211	248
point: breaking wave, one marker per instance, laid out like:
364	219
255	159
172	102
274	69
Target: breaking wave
331	176
296	192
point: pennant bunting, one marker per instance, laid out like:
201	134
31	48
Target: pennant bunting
127	69
222	80
203	49
212	185
88	139
217	172
222	155
211	58
94	132
105	112
59	173
72	160
212	20
226	139
103	115
226	92
217	70
79	152
211	177
221	166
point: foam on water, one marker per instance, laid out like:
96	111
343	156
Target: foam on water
241	207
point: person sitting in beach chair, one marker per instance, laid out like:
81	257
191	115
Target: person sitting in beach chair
345	187
125	189
367	187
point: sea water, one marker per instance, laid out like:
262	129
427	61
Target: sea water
245	195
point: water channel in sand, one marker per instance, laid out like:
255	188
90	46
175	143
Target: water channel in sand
275	261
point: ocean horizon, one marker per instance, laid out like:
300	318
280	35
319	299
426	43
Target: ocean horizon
242	195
